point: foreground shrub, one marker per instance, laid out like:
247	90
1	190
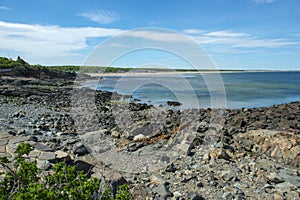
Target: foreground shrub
23	180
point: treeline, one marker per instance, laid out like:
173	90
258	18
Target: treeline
7	63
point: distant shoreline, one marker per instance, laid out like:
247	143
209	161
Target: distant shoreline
162	73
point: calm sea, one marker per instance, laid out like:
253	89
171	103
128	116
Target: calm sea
230	90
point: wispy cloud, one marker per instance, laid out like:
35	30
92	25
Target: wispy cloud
263	1
49	43
101	16
232	39
4	8
225	33
67	45
192	31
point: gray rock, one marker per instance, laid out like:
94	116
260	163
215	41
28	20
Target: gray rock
83	166
163	191
3	142
171	168
273	177
42	147
290	177
194	196
21	132
62	156
4	134
227	196
285	186
80	149
115	179
18	139
43	164
50	156
186	143
157	179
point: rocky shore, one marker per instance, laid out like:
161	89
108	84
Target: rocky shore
162	154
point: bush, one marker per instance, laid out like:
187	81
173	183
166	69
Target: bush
23	180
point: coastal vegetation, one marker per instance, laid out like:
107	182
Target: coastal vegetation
23	180
7	63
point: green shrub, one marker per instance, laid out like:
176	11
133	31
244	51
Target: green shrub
23	180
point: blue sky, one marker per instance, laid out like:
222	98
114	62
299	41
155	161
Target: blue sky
236	34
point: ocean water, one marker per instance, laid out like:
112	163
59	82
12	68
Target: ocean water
229	90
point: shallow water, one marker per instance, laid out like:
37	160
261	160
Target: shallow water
230	90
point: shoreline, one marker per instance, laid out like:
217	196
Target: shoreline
114	139
162	73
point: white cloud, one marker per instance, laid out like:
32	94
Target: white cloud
4	8
192	31
101	16
41	43
263	1
159	35
226	33
241	40
69	45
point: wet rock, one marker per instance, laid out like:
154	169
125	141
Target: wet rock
173	103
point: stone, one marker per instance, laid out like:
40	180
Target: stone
2	149
171	168
79	149
277	196
42	147
115	179
157	179
273	177
139	137
186	143
227	196
115	134
4	134
173	103
163	191
34	153
177	194
18	139
62	156
194	196
50	156
43	164
11	148
21	132
83	166
290	177
285	186
3	142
